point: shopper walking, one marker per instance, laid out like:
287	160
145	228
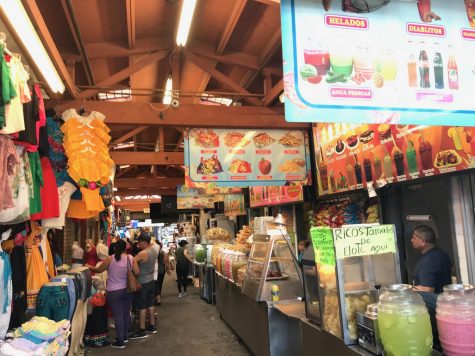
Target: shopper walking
144	297
117	297
183	260
163	268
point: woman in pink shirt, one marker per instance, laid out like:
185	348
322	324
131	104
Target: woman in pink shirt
119	300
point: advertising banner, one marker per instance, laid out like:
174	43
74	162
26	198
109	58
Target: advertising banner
322	242
379	61
264	196
364	241
234	205
352	157
243	158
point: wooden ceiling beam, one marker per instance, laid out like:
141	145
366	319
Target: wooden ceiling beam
273	93
139	113
234	17
130	15
241	59
42	30
129	134
124	171
70	18
101	50
274	3
147	158
220	77
148	182
126	72
265	55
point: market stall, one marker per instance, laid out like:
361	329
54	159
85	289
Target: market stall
259	297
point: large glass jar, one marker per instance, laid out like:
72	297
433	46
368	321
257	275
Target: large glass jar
239	261
404	323
200	253
455	315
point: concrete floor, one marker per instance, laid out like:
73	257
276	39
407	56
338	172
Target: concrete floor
186	326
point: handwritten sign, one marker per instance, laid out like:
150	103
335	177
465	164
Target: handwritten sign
364	240
322	242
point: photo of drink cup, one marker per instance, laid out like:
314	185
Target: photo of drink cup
378	169
470	8
351	174
388	166
399	161
359	177
411	157
368	171
425	152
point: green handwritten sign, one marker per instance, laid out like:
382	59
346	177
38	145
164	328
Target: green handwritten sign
364	240
322	242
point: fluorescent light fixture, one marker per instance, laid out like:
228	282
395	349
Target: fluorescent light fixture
115	189
117	198
124	166
187	10
124	145
16	15
167	97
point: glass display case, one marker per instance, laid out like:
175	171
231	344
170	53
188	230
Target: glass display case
351	284
271	261
310	282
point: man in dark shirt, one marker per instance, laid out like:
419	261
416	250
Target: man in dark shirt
433	271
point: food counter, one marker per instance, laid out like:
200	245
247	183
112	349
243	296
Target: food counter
255	322
266	313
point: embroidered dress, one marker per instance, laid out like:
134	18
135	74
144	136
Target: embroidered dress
89	163
20	211
9	161
36	274
57	155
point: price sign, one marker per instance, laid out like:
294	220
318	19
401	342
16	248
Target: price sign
364	240
322	242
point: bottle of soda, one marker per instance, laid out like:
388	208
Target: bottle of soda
275	292
424	69
453	72
438	71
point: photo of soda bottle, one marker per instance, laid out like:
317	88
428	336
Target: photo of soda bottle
453	72
438	71
424	69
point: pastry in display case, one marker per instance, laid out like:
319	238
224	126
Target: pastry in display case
349	284
271	261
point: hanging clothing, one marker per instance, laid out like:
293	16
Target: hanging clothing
48	193
34	117
14	110
7	94
20	192
5	293
89	163
18	268
9	161
36	275
37	182
56	153
53	301
65	191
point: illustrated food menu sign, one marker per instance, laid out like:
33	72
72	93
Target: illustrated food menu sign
190	198
246	157
352	156
234	204
271	195
379	61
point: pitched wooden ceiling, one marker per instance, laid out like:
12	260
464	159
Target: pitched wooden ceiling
233	51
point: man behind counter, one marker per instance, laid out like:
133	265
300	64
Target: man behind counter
433	271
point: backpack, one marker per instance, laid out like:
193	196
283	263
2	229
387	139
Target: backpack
359	6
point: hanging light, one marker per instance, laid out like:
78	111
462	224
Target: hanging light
186	16
167	98
14	12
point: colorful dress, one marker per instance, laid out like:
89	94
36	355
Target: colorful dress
89	163
48	193
9	160
36	274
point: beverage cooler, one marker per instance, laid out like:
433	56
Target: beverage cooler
352	264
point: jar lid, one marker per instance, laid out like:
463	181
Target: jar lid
398	287
459	288
372	309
